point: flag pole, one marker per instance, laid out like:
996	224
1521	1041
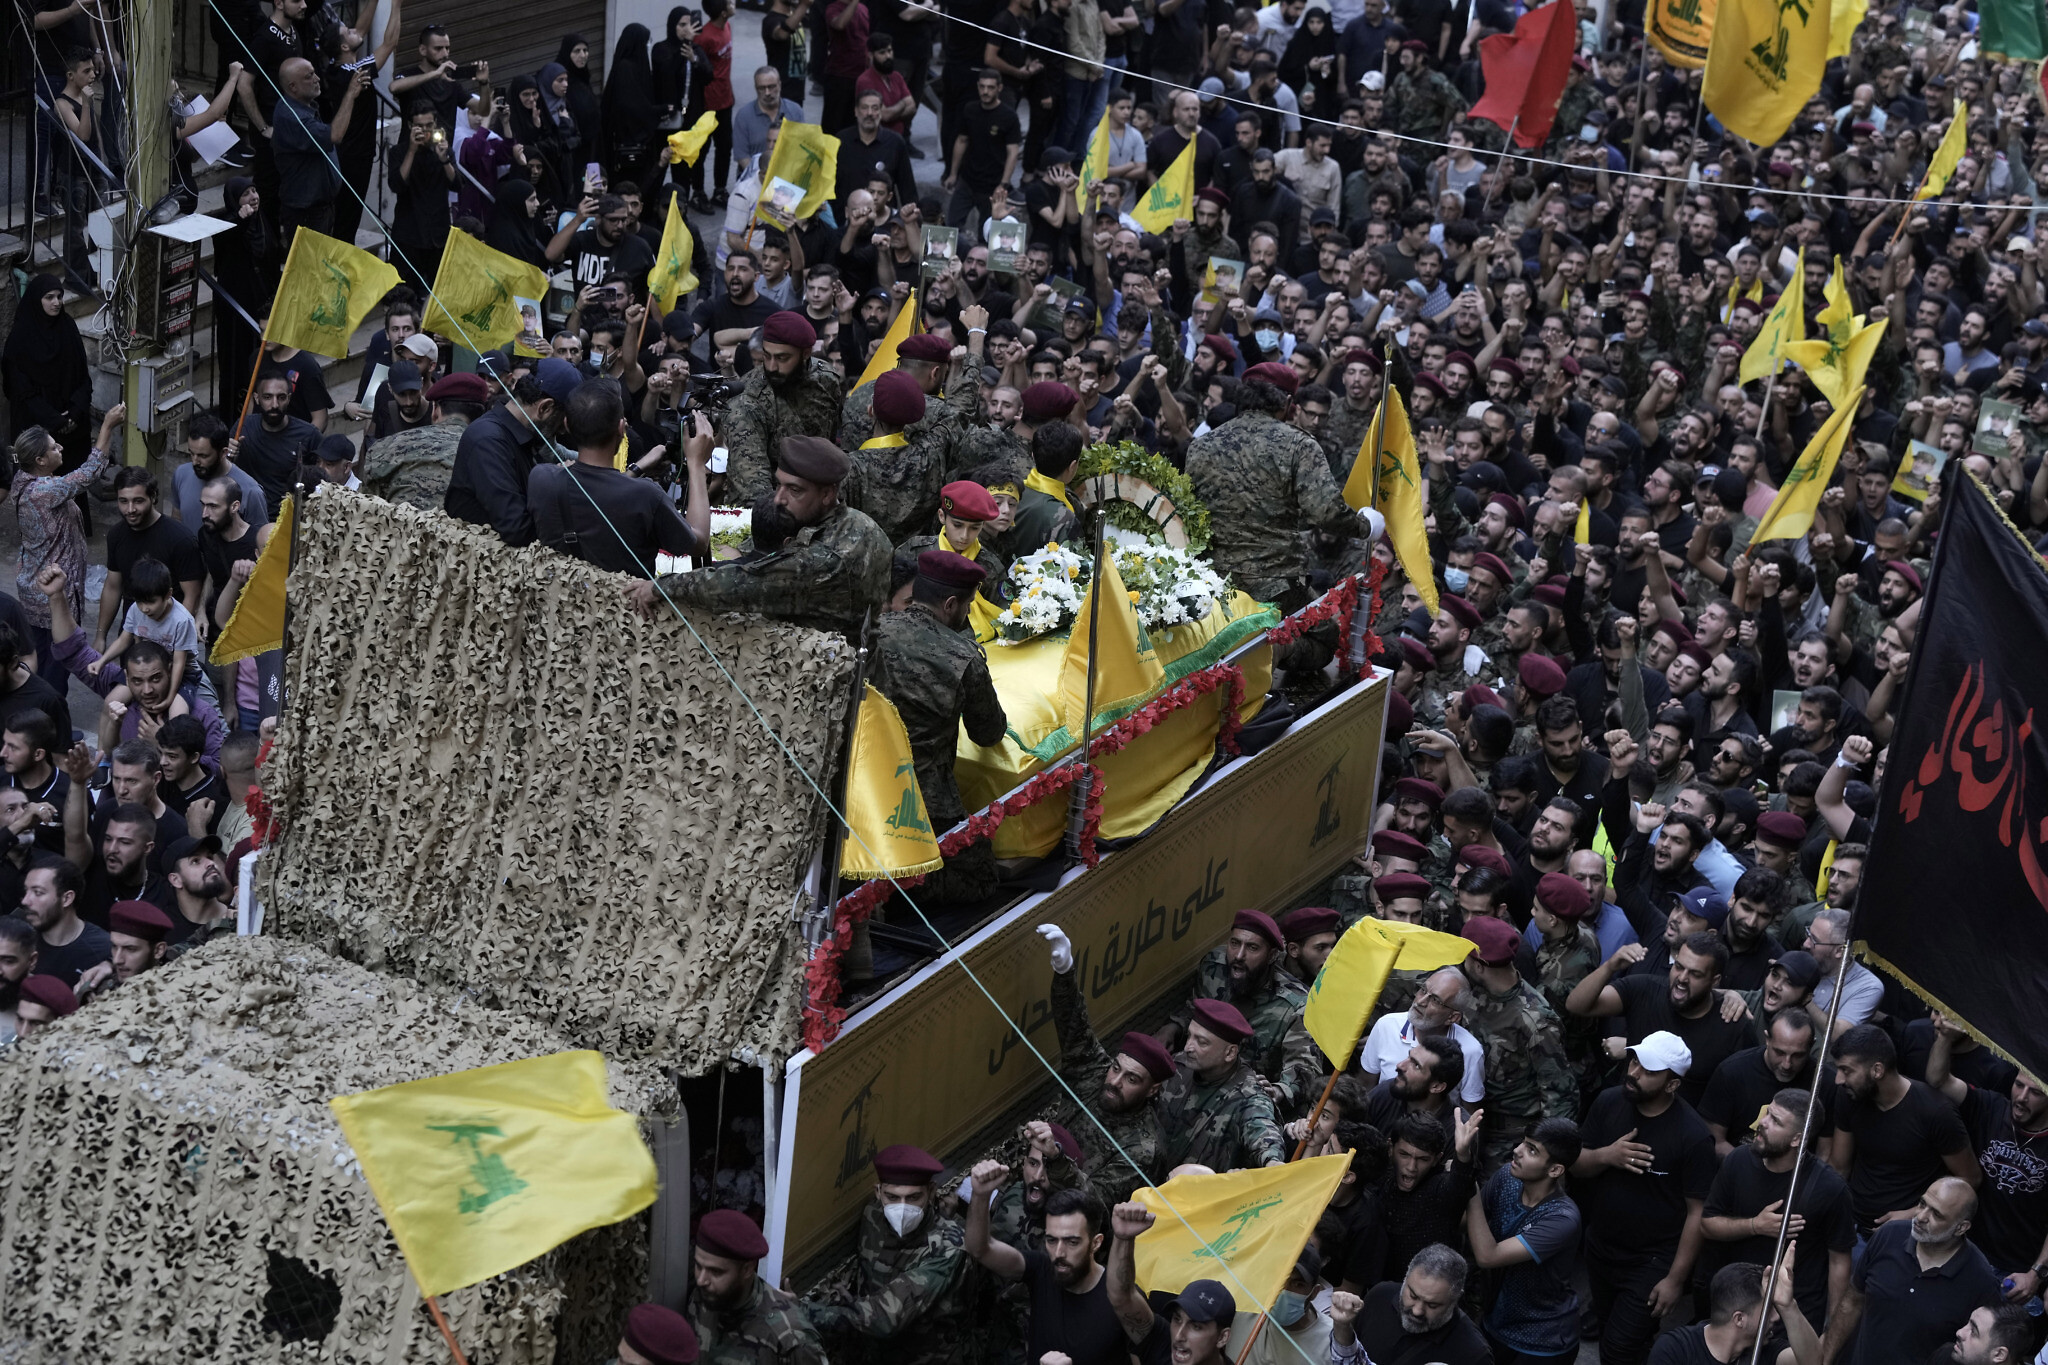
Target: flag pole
1770	387
1314	1115
434	1307
1077	804
263	337
1500	164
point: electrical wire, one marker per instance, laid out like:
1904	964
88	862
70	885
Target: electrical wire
810	780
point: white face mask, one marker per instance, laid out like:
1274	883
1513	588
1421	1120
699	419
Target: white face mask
905	1218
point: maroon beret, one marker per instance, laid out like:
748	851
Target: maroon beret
957	573
1067	1145
1478	695
1676	630
459	388
1697	653
1147	1052
1563	896
1780	829
789	328
1425	380
1401	886
904	1164
1463	612
1548	594
1540	676
661	1334
52	994
1495	565
1260	923
898	399
813	458
1210	194
1400	715
1511	368
1282	377
1417	654
1479	855
1304	924
1047	401
1220	344
1511	505
1420	789
1461	358
1223	1019
966	500
730	1233
1357	355
138	919
1415	45
1496	939
1907	572
925	346
1392	843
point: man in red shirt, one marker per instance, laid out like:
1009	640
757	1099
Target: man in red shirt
899	106
846	32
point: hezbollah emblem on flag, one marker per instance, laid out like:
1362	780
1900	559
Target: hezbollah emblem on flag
494	1179
331	312
909	812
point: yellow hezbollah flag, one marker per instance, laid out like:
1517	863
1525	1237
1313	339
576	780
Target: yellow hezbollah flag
480	294
1172	196
1947	156
1344	993
885	354
1845	16
1820	880
1094	166
1785	322
1582	525
328	288
1765	63
1682	30
1243	1229
806	158
1391	480
481	1171
1791	512
1126	669
1837	365
688	144
671	278
889	832
256	625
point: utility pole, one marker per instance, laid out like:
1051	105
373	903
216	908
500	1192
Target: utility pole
150	133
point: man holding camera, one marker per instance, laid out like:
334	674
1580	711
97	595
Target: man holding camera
442	82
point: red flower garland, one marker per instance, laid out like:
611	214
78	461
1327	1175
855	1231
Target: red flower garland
263	820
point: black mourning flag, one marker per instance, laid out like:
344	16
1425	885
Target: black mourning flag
1955	894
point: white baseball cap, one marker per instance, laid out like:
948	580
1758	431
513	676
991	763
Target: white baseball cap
1664	1051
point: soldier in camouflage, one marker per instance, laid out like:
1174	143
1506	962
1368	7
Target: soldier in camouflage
1581	97
1422	99
414	467
916	1297
1457	662
1528	1078
1246	972
788	394
938	679
739	1318
1052	1161
1568	955
1351	416
1213	1112
897	471
1047	513
827	576
1120	1089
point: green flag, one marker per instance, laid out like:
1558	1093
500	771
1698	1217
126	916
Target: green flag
2016	30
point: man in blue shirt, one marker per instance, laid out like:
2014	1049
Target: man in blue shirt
308	175
1524	1225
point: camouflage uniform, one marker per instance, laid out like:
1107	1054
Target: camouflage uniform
1445	681
1280	1048
1198	250
1344	431
1013	1222
1528	1078
938	678
1580	98
996	587
825	577
1263	479
414	467
1225	1126
762	415
1041	519
990	445
1084	1062
1423	102
899	485
770	1328
922	1295
1562	963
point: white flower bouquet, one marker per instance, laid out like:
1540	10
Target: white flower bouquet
1170	586
1046	589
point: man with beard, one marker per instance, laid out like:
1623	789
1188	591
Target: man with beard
1569	768
499	449
1425	1082
1597	684
790	395
1311	936
1752	909
197	872
1745	1209
1862	991
18	940
212	457
1457	662
1892	1135
1684	1002
1207	239
1552	837
1918	1282
1414	1321
740	1318
1195	1329
137	931
1439	1008
1215	1112
925	360
1069	1295
67	946
1642	1182
2010	1135
1123	1085
1052	1162
914	1286
272	443
1744	1084
1350	419
143	532
1899	586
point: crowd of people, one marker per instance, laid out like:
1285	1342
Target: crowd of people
1634	764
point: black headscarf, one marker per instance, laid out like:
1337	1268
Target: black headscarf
513	230
629	110
1301	49
48	383
583	105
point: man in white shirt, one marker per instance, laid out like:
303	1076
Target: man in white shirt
1445	999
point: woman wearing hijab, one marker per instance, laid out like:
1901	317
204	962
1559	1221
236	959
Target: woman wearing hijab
1311	60
681	73
515	226
247	262
53	527
527	124
631	118
48	382
574	57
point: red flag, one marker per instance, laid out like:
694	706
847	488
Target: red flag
1526	70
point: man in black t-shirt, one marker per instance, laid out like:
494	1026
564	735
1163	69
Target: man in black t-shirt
1744	1207
1068	1290
273	443
2010	1135
309	401
1743	1085
432	78
1893	1137
51	893
609	245
984	151
730	320
29	745
612	519
144	532
1415	1321
1685	1001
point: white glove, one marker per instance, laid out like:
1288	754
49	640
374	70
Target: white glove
1371	525
1062	949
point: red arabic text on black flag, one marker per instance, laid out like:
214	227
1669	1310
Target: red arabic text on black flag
1954	900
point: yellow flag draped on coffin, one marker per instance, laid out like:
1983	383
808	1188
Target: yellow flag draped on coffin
885	354
884	805
1790	515
1948	155
256	626
1126	669
688	144
481	295
1254	1223
1837	364
1387	474
671	278
1344	993
1765	63
804	157
1171	196
1785	323
481	1171
328	288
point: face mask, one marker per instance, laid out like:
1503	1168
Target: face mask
1455	579
903	1217
1288	1307
1268	338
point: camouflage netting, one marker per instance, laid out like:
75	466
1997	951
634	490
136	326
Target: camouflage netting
176	1189
495	776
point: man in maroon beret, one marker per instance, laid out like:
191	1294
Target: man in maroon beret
739	1318
788	393
1311	936
657	1336
1457	662
1350	417
1528	1077
1215	1112
138	931
1402	896
43	1000
1246	971
913	1287
415	465
897	469
1779	836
